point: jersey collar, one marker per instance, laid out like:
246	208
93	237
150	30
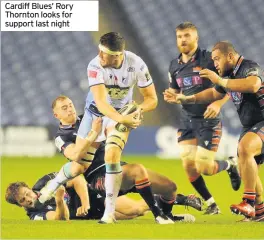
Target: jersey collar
192	59
69	126
238	64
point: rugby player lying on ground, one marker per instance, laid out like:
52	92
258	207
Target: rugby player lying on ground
69	203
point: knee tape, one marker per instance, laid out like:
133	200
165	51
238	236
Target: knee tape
67	170
204	155
116	139
187	152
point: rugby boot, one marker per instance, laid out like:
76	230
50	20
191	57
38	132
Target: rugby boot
189	201
213	209
107	219
243	208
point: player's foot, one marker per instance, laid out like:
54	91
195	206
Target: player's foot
183	218
243	208
108	219
213	209
258	218
163	220
233	173
190	200
194	202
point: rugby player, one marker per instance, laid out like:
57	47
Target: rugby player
135	176
68	204
243	80
201	129
112	75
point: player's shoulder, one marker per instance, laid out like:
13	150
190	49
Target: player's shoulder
206	54
250	67
132	58
95	64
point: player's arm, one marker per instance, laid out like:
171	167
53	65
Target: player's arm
214	108
150	101
249	84
100	98
77	151
80	186
62	210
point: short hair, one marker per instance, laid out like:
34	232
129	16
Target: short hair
59	98
12	191
113	40
186	25
224	47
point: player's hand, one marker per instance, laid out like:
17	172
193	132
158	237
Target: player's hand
177	98
82	210
133	120
211	75
212	110
97	125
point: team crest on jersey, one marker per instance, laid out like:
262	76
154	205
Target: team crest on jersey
236	97
197	69
131	69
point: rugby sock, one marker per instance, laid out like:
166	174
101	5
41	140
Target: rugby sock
221	166
166	204
113	180
144	189
62	177
259	209
249	196
201	188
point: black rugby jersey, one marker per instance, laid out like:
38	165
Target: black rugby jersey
66	134
250	106
185	77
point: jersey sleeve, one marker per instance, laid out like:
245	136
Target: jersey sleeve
95	75
144	78
38	215
61	142
172	80
254	70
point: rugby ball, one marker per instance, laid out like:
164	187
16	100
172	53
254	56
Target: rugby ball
127	109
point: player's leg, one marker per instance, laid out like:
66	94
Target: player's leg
249	146
165	193
115	143
136	175
127	208
188	149
209	136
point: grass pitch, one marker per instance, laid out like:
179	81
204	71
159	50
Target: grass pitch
15	223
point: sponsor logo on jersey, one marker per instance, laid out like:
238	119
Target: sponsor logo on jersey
131	69
236	97
187	81
92	74
99	196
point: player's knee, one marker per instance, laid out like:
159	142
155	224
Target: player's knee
204	161
187	155
245	150
137	171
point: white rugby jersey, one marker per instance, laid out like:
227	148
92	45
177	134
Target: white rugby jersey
118	82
